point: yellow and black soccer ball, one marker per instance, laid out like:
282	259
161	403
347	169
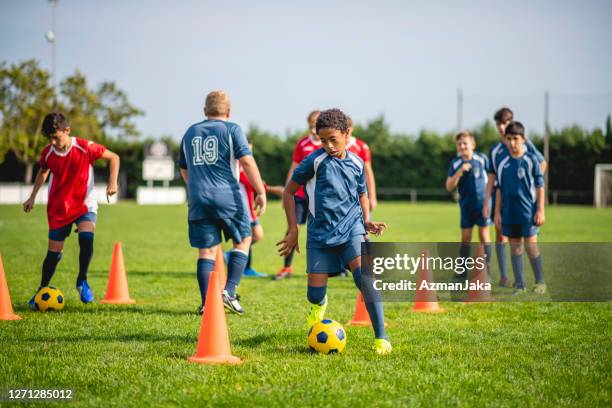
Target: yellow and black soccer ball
49	298
327	336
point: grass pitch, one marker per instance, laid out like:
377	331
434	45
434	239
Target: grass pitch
516	354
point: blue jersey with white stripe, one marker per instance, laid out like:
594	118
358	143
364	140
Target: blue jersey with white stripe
473	183
210	151
333	187
499	151
518	179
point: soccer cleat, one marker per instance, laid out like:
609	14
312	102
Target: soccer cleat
316	314
382	347
286	272
252	273
85	291
32	302
539	288
232	304
201	310
504	282
519	291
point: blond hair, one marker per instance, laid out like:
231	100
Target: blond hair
467	134
217	103
312	118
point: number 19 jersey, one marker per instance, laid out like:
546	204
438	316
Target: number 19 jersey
210	151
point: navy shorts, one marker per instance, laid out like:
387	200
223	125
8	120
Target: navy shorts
61	233
301	210
332	260
255	222
472	217
206	233
519	230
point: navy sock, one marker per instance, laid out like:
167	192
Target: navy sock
249	258
517	268
205	268
501	249
316	294
465	250
536	267
289	259
48	267
235	268
86	244
487	250
357	277
377	316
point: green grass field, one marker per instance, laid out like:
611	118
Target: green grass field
510	354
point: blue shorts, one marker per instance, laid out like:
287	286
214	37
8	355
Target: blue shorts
206	233
333	259
472	217
301	210
61	233
255	222
519	230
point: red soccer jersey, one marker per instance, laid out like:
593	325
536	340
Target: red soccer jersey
360	148
303	148
248	193
71	184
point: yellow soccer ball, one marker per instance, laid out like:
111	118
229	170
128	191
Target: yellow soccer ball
327	336
49	298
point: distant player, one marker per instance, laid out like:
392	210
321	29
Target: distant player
468	173
338	211
209	156
498	152
362	150
71	196
303	148
519	206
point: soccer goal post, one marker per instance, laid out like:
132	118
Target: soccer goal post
602	194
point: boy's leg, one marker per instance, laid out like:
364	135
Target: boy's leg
205	236
485	240
257	231
237	263
317	297
301	213
464	251
501	252
54	254
205	266
516	247
535	259
86	230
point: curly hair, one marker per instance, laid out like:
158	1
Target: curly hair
54	122
333	119
503	115
515	128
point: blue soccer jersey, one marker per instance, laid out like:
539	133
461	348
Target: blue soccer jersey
518	179
499	151
473	183
210	151
333	187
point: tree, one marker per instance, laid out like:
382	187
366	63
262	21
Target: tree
25	96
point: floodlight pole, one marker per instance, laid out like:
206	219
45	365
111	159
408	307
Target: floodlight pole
546	143
459	109
52	39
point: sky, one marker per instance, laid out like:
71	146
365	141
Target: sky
279	60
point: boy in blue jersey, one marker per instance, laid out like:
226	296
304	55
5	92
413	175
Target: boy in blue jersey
497	152
519	205
467	172
209	156
338	210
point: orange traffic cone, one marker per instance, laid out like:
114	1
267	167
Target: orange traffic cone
213	341
6	307
220	266
361	316
425	300
117	292
480	276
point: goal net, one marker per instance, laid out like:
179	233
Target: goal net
603	185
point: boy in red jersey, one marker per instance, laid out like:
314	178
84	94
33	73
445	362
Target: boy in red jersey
362	150
303	148
71	196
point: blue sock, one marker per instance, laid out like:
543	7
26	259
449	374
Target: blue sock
377	316
536	266
465	250
487	250
250	257
517	268
357	277
86	244
48	268
501	250
316	294
235	268
205	268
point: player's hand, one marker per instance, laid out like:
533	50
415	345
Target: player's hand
288	243
373	203
466	167
260	204
111	189
486	212
28	205
376	228
498	221
539	218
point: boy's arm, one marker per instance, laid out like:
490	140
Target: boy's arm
113	172
371	227
276	190
294	164
543	166
252	172
371	185
41	177
539	215
498	204
291	238
486	208
184	175
452	181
